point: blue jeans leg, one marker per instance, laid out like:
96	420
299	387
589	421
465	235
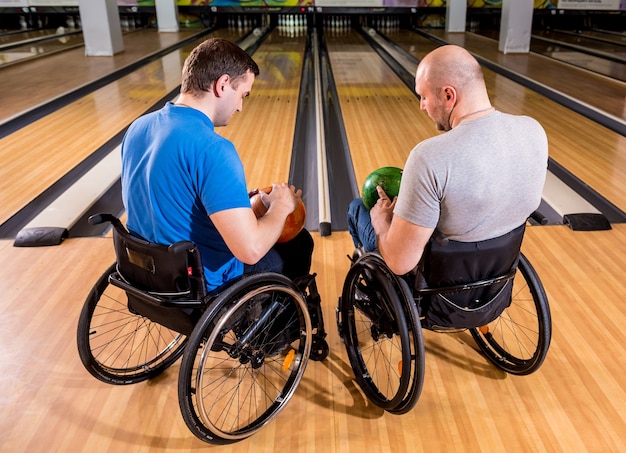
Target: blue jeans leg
360	226
271	262
292	258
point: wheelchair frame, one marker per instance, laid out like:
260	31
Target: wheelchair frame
380	322
244	347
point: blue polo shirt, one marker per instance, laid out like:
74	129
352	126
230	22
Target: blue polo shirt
176	171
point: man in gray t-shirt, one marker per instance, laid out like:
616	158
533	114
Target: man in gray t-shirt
480	179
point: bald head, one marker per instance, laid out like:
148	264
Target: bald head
450	84
450	65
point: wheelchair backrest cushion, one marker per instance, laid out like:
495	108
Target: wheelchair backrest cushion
457	263
454	263
151	267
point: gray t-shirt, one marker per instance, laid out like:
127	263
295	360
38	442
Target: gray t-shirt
477	181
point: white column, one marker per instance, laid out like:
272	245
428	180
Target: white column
456	12
167	15
100	21
516	26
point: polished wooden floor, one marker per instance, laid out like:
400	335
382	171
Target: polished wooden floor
575	402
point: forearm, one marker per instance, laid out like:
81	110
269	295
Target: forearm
402	244
247	237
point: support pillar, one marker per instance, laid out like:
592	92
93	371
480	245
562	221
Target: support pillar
456	13
101	27
516	25
167	15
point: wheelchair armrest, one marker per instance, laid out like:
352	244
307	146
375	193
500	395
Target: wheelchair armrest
153	298
97	219
101	218
180	246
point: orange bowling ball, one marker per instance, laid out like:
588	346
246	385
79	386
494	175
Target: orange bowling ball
294	222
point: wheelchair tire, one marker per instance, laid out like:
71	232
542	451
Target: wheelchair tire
382	334
320	349
117	346
518	340
245	358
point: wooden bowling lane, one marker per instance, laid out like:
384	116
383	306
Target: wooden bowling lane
40	47
382	118
591	152
31	83
596	56
609	44
613	37
574	402
15	36
607	64
39	154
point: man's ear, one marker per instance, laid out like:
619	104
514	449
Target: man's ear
450	93
220	85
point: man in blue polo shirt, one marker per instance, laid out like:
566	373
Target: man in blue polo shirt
182	181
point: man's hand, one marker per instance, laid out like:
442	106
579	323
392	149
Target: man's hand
382	212
284	197
249	238
402	244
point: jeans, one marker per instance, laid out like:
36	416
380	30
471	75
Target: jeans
292	258
360	226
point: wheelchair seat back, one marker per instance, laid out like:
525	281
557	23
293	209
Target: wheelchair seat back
163	283
467	284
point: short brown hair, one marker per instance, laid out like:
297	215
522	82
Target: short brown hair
210	60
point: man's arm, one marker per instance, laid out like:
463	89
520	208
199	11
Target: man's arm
249	238
400	242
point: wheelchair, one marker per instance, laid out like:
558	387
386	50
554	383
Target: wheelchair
487	287
244	347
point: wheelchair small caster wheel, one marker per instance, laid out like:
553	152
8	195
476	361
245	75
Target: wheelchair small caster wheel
319	349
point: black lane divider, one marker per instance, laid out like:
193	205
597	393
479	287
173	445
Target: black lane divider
303	167
39	39
584	36
12	226
612	213
582	49
305	171
407	78
606	120
343	187
17	122
111	201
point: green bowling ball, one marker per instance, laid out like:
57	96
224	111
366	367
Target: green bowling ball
386	177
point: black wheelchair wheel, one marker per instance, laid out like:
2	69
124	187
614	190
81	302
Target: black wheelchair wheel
518	340
245	358
117	346
380	327
416	344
